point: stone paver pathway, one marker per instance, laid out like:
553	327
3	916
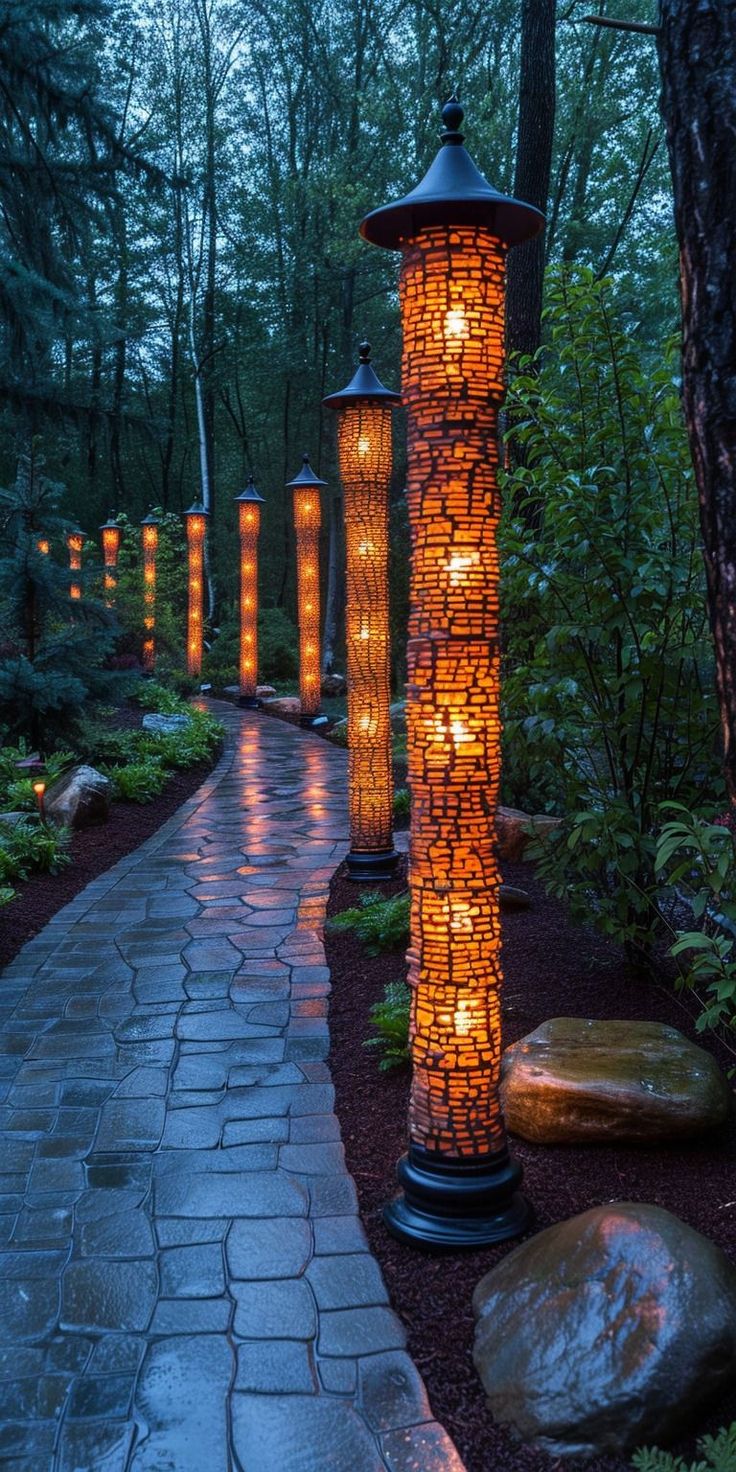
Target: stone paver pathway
185	1285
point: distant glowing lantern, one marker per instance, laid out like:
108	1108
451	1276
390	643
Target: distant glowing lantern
39	789
43	545
149	544
460	1185
110	548
196	521
249	504
364	445
307	519
75	543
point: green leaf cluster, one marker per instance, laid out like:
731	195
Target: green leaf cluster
718	1455
696	860
32	847
16	793
381	924
390	1018
608	665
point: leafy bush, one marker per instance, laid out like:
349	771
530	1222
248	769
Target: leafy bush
402	802
6	894
382	925
32	847
697	860
16	792
150	695
390	1018
194	743
608	689
138	781
718	1455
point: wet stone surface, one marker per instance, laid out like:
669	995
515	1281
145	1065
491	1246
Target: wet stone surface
184	1281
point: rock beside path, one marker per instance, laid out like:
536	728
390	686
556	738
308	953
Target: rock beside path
80	799
574	1080
606	1331
515	829
161	725
287	707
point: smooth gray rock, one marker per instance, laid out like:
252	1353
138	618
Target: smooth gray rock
80	799
606	1331
11	820
160	725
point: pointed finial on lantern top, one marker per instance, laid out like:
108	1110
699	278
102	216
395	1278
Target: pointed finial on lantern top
196	509
452	192
151	519
452	117
306	477
364	384
250	493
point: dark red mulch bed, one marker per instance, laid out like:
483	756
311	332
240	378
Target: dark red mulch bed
553	968
93	850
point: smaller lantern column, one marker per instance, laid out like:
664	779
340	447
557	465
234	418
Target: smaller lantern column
364	444
196	523
110	548
149	539
249	504
75	543
307	521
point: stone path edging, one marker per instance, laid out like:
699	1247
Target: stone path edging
185	1284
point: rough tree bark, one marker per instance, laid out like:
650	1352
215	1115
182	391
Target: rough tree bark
533	165
697	54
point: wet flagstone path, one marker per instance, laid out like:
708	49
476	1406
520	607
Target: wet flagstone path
185	1285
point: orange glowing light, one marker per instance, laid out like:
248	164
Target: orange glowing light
43	546
110	548
249	525
149	544
196	524
75	543
307	522
364	448
39	788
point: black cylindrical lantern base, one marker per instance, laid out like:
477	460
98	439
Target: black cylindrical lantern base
249	702
448	1204
367	868
308	721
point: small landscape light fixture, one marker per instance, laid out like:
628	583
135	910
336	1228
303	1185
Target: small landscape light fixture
39	788
307	520
75	543
110	549
196	524
43	546
460	1185
149	543
364	448
249	504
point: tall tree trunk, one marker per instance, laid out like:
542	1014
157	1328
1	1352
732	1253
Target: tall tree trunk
533	166
697	54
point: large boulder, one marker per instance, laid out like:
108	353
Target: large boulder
287	707
334	684
161	725
574	1080
397	716
515	829
606	1331
79	799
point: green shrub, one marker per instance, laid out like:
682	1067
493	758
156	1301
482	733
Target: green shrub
16	792
402	802
608	696
185	748
338	734
697	861
718	1455
390	1018
150	695
278	646
32	847
6	894
382	925
138	781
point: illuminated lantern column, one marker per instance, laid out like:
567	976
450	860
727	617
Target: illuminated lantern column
196	521
364	445
460	1185
75	543
249	504
307	519
110	548
149	543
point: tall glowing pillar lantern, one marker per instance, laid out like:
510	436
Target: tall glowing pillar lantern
75	543
307	521
249	504
149	547
460	1185
364	449
196	524
110	549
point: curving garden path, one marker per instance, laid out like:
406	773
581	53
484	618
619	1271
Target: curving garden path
185	1285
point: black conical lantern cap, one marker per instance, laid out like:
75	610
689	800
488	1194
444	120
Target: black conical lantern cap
112	524
306	477
250	493
196	509
364	384
150	520
452	192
